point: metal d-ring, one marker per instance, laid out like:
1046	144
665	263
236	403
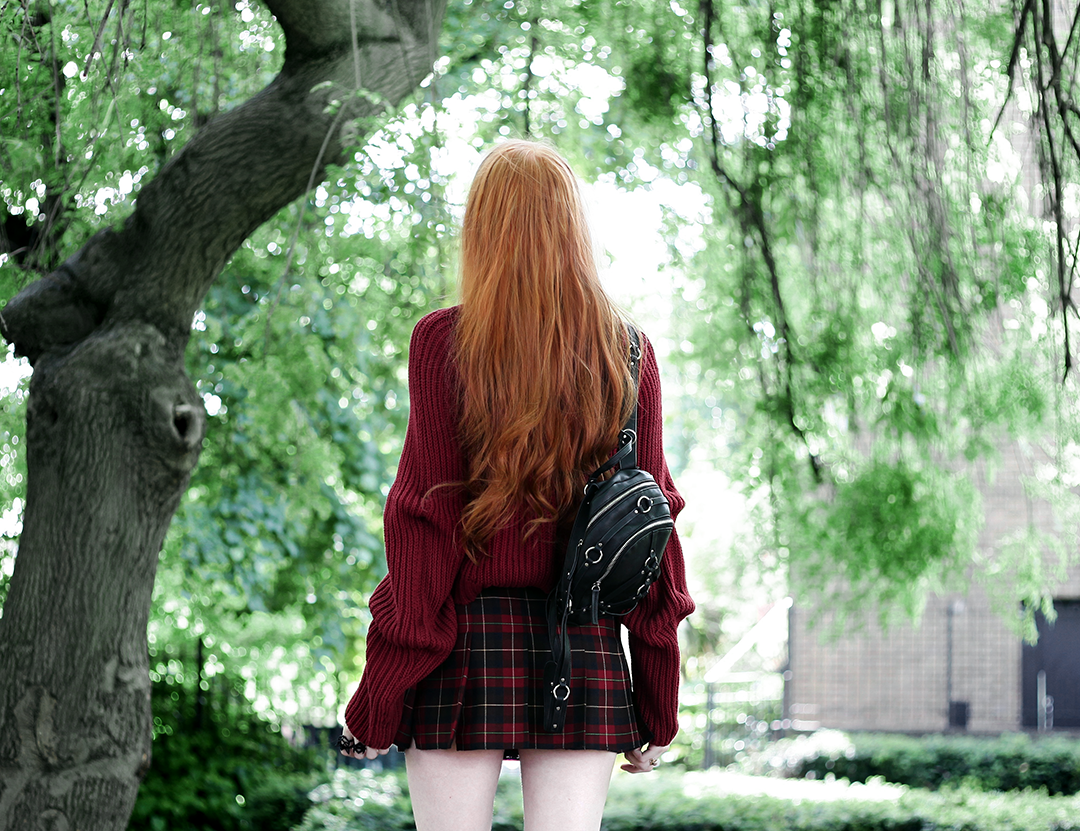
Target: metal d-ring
564	696
599	554
644	504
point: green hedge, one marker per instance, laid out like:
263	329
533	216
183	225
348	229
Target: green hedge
666	807
357	801
1008	763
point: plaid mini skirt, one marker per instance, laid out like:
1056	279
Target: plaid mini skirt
488	694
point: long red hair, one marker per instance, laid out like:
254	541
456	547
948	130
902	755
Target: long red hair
541	352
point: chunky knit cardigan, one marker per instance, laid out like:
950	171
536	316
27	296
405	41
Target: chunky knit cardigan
414	622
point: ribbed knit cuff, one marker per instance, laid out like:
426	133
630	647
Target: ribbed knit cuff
373	722
656	691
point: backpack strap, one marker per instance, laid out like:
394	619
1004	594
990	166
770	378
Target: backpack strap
626	456
629	431
557	671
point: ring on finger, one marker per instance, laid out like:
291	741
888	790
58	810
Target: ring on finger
654	762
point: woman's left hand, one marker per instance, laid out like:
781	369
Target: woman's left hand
644	760
361	752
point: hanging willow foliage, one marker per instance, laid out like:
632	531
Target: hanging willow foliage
874	301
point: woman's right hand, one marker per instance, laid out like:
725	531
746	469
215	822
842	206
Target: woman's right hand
644	759
361	752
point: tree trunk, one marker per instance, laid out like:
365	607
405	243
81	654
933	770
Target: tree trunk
114	426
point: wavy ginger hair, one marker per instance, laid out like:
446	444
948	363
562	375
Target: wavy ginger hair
541	351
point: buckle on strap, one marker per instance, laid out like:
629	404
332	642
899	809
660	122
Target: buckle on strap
557	684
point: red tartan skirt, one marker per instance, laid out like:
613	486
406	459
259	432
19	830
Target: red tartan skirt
488	693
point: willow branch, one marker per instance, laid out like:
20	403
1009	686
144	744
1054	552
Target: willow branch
752	221
1018	41
1043	37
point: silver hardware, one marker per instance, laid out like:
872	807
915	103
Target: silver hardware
612	504
644	504
652	526
555	692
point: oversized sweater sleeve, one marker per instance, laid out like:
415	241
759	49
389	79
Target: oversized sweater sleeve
653	625
414	624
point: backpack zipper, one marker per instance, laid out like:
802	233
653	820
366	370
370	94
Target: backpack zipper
652	526
617	500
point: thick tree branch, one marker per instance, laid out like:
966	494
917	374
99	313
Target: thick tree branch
235	174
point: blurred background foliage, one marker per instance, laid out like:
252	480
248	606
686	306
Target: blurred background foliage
869	235
216	765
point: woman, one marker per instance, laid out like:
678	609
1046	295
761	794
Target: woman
515	396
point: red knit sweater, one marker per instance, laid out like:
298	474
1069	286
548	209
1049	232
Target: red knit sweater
414	622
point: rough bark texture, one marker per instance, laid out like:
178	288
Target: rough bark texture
114	426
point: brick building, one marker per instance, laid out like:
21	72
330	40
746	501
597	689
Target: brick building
962	667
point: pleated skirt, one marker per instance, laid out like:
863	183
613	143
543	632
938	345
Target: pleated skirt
488	694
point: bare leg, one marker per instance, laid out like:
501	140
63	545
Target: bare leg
565	790
453	790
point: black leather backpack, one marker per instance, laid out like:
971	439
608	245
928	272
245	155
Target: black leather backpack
613	556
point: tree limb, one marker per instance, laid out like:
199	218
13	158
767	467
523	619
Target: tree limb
752	221
1013	58
237	172
1044	36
